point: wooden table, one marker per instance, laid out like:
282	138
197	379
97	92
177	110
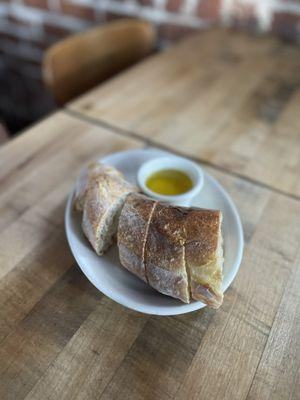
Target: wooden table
62	339
221	97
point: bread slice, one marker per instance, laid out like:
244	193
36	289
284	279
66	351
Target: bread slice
165	252
204	255
92	171
104	197
132	232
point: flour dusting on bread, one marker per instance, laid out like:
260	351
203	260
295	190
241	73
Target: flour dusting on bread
132	233
103	198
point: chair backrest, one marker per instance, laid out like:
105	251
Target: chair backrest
4	136
81	61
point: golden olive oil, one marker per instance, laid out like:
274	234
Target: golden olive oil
169	182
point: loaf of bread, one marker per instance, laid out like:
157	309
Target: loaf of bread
177	250
101	193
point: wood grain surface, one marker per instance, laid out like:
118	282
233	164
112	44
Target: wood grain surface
62	339
221	97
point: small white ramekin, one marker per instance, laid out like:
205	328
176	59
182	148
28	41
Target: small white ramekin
171	162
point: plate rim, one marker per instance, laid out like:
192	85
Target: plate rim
164	310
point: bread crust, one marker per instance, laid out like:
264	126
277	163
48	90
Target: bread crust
204	256
132	232
164	252
202	228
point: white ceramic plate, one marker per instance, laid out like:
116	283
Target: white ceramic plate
116	282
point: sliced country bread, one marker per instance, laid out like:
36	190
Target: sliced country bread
87	174
165	252
177	250
204	255
132	232
104	198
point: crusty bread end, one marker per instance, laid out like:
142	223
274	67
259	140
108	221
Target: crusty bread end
205	261
104	199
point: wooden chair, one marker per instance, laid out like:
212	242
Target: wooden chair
81	61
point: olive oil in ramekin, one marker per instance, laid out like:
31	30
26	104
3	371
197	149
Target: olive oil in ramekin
169	182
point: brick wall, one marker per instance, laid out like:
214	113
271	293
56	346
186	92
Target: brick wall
28	27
